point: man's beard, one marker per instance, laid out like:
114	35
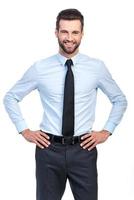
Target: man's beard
67	50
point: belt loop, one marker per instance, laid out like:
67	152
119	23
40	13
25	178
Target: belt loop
52	138
63	141
72	140
79	138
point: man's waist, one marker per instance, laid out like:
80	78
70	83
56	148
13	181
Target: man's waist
65	139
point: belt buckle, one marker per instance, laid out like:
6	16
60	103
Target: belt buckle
67	139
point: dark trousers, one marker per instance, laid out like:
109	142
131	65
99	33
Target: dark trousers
59	162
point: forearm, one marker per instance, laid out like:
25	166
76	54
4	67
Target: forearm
13	109
119	106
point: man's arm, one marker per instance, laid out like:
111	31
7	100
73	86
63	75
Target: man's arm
116	97
12	98
119	105
11	101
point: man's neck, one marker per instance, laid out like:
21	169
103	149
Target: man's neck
68	55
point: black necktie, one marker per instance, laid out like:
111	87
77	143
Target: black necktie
68	106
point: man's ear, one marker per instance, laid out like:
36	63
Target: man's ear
56	32
82	33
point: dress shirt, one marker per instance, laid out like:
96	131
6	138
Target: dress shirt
48	76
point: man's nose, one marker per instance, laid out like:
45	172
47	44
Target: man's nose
69	36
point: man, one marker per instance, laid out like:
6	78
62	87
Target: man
68	84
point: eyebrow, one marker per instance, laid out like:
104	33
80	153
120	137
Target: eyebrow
66	31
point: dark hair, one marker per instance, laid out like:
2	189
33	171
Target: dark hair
70	14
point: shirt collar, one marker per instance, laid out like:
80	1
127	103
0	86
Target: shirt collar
63	59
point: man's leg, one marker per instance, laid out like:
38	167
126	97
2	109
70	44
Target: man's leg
50	172
82	172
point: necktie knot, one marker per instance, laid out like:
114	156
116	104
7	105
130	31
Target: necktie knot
69	63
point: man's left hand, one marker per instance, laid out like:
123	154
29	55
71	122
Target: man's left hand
90	140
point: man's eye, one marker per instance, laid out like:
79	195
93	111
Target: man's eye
75	32
63	31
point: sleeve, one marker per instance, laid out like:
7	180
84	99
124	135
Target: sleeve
12	98
116	97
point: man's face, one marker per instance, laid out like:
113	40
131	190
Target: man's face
69	36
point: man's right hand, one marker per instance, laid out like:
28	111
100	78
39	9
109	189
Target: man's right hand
41	139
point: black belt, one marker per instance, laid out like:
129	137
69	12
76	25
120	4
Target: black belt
65	139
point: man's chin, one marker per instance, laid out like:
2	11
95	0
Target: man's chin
69	51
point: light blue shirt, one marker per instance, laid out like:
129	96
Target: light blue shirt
48	76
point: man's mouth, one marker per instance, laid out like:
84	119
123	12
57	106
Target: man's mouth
69	44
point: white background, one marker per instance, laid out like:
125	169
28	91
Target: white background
27	35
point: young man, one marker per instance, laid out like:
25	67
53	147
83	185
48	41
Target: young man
67	83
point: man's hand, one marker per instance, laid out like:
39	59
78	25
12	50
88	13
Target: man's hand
90	140
41	139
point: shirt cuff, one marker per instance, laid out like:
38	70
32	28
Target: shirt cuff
21	126
110	126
